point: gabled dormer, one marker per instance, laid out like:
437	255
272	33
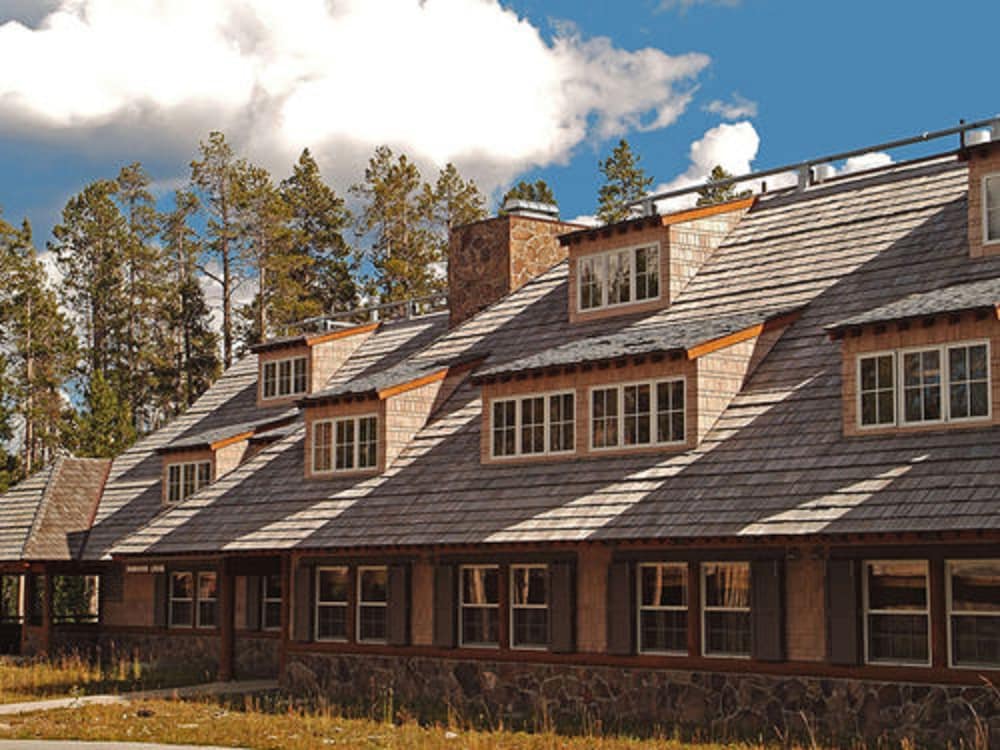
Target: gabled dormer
291	367
642	265
984	196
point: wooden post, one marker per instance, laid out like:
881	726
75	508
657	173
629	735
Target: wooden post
694	610
938	614
286	610
227	613
48	594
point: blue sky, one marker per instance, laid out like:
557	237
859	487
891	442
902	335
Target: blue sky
472	81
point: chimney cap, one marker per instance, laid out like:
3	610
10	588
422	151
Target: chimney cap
532	209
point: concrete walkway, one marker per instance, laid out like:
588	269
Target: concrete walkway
188	691
74	745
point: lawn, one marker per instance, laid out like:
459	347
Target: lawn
204	722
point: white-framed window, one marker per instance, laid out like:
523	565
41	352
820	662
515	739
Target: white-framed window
536	424
181	599
208	596
332	602
479	604
270	602
991	208
285	377
725	596
663	608
346	444
633	415
185	479
925	385
897	612
618	277
529	606
373	603
973	596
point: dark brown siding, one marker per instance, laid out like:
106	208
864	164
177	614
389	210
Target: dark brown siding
843	591
766	612
444	606
398	605
303	603
160	600
253	604
562	614
621	634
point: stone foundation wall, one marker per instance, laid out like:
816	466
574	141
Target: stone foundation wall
194	655
256	657
721	706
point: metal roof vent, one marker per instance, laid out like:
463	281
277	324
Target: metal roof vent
531	209
975	137
823	172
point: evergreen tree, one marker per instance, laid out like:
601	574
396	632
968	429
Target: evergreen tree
625	181
709	196
536	192
451	202
404	255
104	428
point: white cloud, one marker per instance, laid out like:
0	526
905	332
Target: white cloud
872	160
737	108
445	80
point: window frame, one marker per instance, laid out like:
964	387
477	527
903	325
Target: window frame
706	609
640	607
356	443
604	256
518	399
192	600
544	567
462	605
199	600
859	393
265	600
317	604
866	611
359	603
986	208
950	613
654	407
198	485
275	366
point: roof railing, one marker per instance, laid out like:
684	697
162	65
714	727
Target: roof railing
406	309
805	169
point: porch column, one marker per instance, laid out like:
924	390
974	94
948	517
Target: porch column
227	613
48	594
286	609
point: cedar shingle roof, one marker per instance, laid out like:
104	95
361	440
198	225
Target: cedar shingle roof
775	462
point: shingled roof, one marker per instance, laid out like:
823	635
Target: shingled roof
775	463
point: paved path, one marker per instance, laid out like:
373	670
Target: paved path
188	691
74	745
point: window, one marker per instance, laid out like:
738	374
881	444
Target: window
991	208
75	599
181	600
897	619
185	479
285	377
618	277
622	416
533	425
332	590
345	444
529	606
947	383
480	606
270	602
207	597
663	608
372	604
726	609
974	613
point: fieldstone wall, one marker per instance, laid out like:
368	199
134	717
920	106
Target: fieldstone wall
707	705
256	657
196	656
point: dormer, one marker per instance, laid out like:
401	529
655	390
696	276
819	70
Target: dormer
291	367
984	195
642	265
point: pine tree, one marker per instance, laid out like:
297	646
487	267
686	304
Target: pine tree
451	202
709	196
317	222
404	255
625	181
536	192
104	427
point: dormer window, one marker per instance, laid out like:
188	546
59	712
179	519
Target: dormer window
285	377
619	277
348	444
991	209
637	414
533	425
185	479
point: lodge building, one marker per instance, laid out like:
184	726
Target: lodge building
727	467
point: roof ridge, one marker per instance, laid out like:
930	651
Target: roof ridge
43	502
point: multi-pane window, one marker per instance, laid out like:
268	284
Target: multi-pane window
533	425
332	603
974	613
345	444
285	377
637	414
619	277
726	608
372	603
208	595
897	617
991	208
529	606
663	608
270	602
184	479
924	386
480	605
181	602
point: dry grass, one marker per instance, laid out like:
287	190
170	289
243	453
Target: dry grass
185	722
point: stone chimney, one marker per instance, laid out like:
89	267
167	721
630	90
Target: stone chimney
489	259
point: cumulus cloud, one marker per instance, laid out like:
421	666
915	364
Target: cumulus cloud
445	80
737	108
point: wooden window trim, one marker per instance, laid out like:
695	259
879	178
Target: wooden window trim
706	609
603	256
356	443
654	407
518	424
859	393
180	466
985	204
275	379
199	600
265	600
318	603
640	607
462	643
192	600
360	570
513	607
950	612
866	611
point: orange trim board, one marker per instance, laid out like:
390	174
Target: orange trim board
413	384
713	345
706	211
322	338
225	442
